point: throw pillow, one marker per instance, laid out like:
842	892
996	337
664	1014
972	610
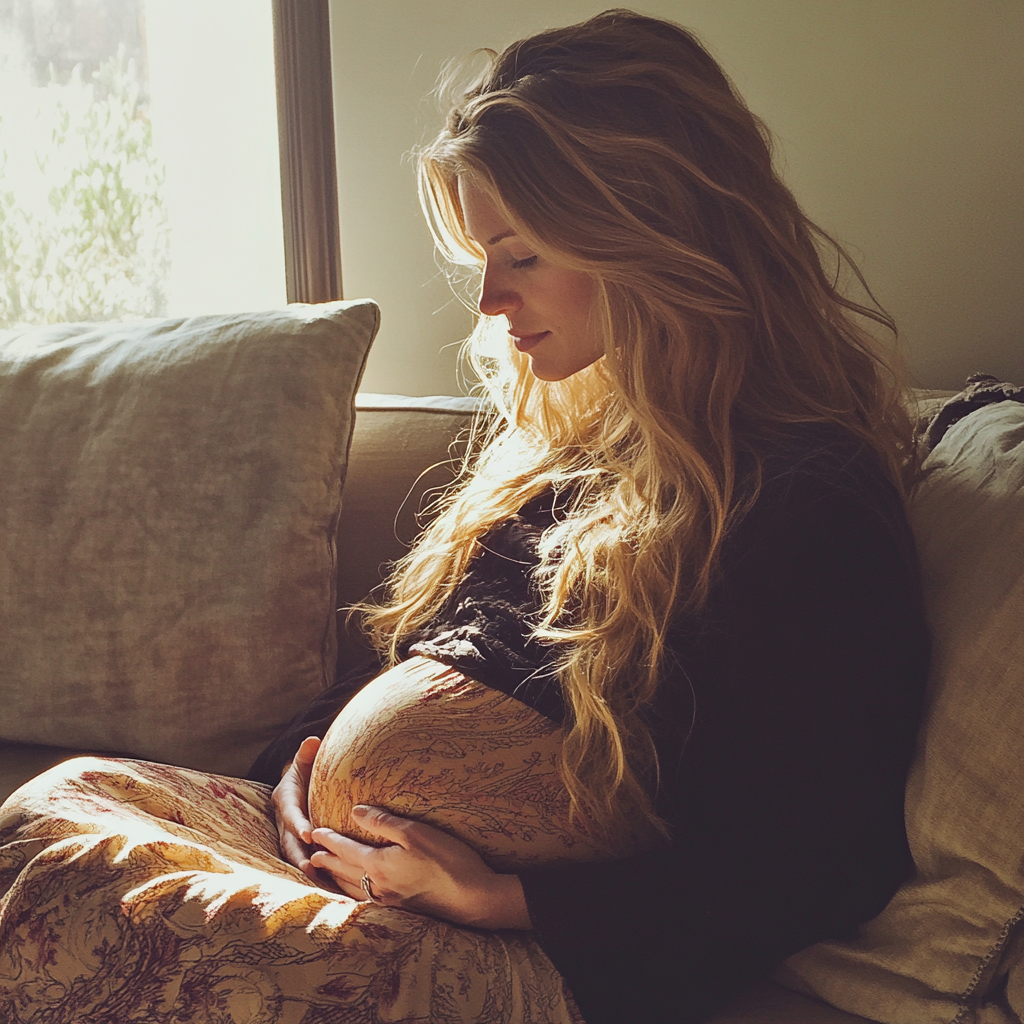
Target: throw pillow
942	950
169	492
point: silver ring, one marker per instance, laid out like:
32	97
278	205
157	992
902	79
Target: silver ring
367	886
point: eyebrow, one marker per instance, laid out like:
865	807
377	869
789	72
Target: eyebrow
497	238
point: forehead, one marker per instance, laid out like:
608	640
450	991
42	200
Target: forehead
485	223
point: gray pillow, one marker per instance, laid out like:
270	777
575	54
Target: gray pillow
948	946
169	492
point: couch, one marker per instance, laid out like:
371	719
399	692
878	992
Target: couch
187	503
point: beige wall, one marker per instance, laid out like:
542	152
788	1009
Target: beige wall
901	130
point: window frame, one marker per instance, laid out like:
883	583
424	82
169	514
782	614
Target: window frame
309	178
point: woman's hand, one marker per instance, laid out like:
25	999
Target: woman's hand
422	869
291	809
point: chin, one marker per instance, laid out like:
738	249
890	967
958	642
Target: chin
552	374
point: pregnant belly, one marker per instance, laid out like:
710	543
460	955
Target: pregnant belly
425	741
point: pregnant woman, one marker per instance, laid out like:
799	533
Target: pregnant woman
649	681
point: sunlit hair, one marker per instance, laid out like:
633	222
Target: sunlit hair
618	147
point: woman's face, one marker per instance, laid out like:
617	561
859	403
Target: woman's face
550	310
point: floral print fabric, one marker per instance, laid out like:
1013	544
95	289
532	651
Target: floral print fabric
427	742
132	891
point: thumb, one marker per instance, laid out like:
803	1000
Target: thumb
305	756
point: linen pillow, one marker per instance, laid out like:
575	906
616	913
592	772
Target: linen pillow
169	492
940	951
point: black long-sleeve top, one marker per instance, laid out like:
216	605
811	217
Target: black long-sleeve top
784	725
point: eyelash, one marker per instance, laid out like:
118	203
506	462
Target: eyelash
524	264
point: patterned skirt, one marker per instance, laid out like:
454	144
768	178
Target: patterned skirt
132	891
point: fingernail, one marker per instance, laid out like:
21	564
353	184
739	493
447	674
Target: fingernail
360	811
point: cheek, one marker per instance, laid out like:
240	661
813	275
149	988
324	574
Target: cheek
578	294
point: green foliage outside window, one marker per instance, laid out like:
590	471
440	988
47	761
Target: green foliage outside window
96	247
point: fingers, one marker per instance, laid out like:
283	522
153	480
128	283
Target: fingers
302	766
345	860
293	819
291	808
390	827
296	852
306	754
413	861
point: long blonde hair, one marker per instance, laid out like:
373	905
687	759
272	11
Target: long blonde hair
618	147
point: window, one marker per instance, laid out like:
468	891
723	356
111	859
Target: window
84	230
141	169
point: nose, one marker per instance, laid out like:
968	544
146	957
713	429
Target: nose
497	297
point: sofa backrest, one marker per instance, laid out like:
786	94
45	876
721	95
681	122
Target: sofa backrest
403	450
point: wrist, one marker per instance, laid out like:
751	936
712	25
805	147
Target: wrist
500	903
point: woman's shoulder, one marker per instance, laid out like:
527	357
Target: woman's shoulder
821	457
822	489
818	471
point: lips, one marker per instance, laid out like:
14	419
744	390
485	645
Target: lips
524	342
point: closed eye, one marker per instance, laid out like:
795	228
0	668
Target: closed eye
523	264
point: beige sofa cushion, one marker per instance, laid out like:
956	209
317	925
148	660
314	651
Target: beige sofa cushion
405	452
170	492
944	946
